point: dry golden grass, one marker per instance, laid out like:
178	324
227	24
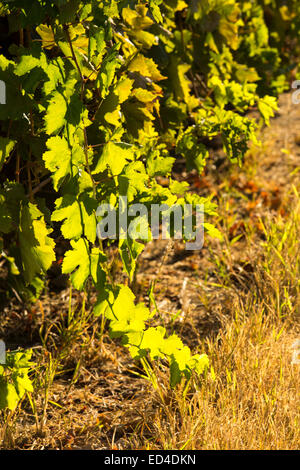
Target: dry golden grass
249	401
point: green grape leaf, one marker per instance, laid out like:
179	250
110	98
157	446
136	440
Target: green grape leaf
56	112
6	146
47	35
78	216
156	11
267	107
37	248
26	64
129	251
179	188
199	362
194	152
114	156
14	379
133	180
159	165
145	67
77	262
97	258
170	344
180	83
107	70
58	159
125	316
153	341
55	75
9	397
81	263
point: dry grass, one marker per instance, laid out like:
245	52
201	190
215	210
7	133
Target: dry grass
249	400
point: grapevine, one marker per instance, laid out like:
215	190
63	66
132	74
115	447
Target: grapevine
101	98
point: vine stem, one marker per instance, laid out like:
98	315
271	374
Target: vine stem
41	185
18	167
82	84
28	165
29	162
86	144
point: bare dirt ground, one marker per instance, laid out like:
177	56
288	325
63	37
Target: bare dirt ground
101	403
